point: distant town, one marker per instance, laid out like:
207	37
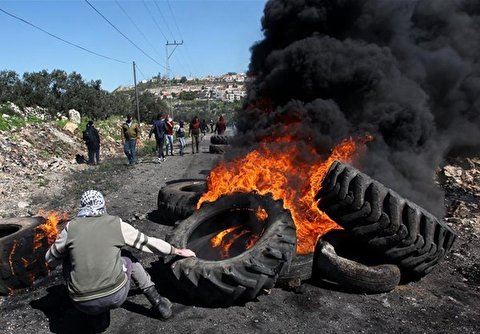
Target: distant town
228	87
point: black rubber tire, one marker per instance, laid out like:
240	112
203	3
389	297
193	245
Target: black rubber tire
20	263
178	199
353	275
217	149
404	233
219	140
242	277
300	269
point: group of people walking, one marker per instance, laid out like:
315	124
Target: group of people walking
163	129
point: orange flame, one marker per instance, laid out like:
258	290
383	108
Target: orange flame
49	229
226	238
261	214
289	173
10	256
44	233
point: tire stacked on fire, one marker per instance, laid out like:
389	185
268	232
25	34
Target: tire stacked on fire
218	143
401	231
242	277
177	200
20	261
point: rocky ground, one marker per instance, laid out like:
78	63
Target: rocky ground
445	301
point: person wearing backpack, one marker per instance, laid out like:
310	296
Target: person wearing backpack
92	140
159	129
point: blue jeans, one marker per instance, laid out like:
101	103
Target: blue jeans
129	149
169	143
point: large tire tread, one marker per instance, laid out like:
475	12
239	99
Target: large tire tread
405	233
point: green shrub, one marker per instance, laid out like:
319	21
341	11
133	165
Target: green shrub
8	123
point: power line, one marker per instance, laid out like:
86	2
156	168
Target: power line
143	75
187	53
138	29
121	33
155	21
163	18
174	20
61	39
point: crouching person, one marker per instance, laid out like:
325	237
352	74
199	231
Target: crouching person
97	276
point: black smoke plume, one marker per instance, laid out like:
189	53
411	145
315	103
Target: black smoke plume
407	72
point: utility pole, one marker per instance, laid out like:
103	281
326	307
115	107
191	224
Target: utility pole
136	92
167	55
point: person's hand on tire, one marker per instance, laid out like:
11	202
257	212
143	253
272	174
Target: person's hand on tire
184	252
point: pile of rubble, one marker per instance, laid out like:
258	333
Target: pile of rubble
34	160
461	180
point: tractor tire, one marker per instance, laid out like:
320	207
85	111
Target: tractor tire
404	233
178	199
219	140
217	149
242	276
20	261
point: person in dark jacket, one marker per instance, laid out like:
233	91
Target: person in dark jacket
159	129
92	140
97	276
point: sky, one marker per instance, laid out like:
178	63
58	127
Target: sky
216	35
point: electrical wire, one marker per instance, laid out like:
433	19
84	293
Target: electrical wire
155	21
163	18
187	53
139	70
138	29
121	33
61	39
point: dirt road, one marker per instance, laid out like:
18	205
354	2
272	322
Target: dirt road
446	301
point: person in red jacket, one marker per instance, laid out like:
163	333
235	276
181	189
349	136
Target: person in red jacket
194	130
220	127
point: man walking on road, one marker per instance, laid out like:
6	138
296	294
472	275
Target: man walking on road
130	133
159	129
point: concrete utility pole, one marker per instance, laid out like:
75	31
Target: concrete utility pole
175	44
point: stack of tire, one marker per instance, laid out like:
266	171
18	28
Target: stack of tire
218	143
21	262
385	239
394	229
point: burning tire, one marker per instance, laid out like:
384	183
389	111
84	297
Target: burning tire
178	199
404	233
218	149
258	240
219	140
21	260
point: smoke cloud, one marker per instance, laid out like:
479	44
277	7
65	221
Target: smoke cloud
407	72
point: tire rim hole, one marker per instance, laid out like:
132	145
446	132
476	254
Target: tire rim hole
8	229
227	234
